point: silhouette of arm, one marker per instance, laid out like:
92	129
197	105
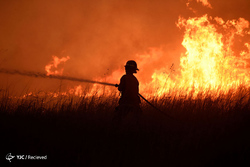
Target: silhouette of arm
121	86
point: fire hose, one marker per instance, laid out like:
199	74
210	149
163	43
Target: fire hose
43	75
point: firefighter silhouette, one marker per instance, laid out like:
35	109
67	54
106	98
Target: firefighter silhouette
129	101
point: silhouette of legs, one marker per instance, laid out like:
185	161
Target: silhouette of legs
122	112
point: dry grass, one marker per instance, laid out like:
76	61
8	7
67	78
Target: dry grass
78	131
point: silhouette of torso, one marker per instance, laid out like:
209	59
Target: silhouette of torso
129	87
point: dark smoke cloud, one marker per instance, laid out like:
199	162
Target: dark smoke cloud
99	36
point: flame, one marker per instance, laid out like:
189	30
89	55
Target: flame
203	2
209	62
52	67
209	65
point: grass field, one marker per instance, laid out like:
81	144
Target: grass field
78	131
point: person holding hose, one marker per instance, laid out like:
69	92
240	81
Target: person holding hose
129	88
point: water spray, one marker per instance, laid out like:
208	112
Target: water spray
43	75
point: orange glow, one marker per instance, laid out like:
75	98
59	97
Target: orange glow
216	60
205	3
209	63
52	67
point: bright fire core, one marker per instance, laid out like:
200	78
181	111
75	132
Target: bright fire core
210	62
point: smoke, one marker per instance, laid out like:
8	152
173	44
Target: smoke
98	36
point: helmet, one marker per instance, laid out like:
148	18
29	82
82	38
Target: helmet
132	65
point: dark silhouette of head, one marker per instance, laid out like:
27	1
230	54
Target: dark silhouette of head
131	67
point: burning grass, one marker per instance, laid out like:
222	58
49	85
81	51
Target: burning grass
71	130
